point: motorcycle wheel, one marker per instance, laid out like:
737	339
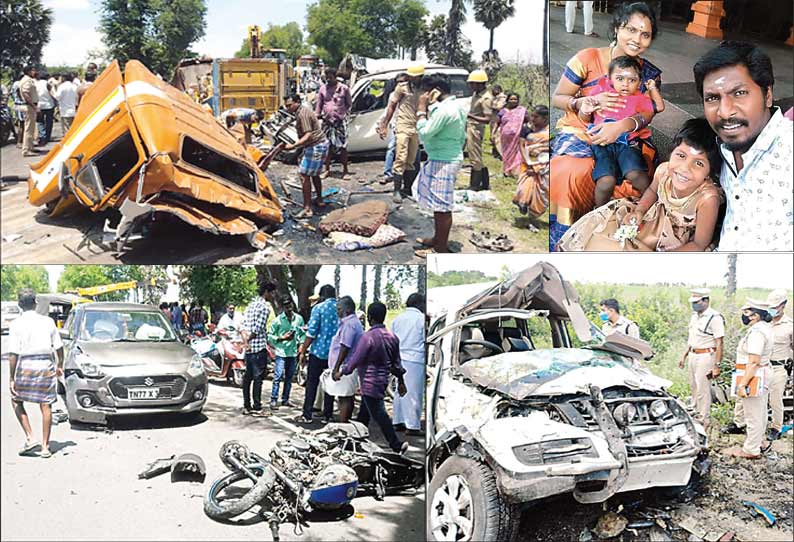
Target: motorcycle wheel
231	507
238	377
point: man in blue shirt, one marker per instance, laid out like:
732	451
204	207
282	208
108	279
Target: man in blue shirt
322	327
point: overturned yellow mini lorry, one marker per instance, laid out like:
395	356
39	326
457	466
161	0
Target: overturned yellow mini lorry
140	146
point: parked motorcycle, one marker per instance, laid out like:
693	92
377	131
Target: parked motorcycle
313	470
222	354
7	128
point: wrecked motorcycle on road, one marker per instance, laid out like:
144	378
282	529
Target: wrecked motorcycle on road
312	470
516	413
141	149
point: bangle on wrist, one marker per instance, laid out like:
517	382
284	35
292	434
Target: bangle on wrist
572	104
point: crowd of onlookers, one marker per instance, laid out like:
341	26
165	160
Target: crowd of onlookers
39	97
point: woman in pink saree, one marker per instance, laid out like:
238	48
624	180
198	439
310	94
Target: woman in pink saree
511	120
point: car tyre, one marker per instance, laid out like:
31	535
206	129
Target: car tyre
491	518
227	509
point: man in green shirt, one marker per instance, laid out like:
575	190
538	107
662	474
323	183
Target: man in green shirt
284	334
442	130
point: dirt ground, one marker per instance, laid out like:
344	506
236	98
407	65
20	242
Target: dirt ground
29	236
709	511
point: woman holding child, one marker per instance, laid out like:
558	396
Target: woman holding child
572	190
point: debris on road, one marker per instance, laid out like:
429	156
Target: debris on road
156	468
610	525
11	237
487	241
188	468
757	509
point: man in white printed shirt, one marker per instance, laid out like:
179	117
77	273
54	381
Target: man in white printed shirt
736	81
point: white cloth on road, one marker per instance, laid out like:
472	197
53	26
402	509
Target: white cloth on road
408	409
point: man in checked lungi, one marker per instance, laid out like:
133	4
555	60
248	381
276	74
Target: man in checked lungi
33	340
442	131
333	104
315	148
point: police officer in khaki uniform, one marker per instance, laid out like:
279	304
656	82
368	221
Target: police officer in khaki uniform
479	117
782	353
751	376
614	322
403	100
704	350
27	89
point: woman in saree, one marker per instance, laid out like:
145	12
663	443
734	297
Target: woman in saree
572	188
532	189
511	122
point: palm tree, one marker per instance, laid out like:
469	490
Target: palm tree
492	13
337	278
376	286
456	19
421	280
730	291
363	302
546	39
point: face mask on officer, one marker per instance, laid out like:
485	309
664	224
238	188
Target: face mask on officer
776	311
603	315
698	306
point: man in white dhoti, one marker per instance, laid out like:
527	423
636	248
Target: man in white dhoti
409	327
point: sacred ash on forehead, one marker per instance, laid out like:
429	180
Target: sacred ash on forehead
693	150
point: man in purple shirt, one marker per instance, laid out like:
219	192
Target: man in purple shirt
333	104
376	356
344	342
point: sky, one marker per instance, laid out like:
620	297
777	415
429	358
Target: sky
752	270
74	31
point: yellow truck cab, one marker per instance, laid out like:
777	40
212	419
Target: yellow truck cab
139	145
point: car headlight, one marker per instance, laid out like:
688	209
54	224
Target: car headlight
196	365
88	367
658	408
624	414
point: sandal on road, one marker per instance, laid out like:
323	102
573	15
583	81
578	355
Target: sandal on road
29	447
45	454
320	204
424	252
304	214
487	241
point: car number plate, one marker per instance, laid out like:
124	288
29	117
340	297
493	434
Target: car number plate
143	393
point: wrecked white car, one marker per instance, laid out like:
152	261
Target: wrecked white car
516	413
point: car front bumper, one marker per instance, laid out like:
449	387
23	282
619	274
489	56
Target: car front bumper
106	404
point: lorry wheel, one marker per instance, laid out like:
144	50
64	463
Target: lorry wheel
464	504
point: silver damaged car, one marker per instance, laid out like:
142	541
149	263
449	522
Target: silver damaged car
518	411
125	359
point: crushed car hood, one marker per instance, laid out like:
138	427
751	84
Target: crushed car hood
558	371
124	354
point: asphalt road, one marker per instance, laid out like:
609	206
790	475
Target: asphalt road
89	489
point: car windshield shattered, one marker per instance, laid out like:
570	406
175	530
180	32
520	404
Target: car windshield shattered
519	374
106	326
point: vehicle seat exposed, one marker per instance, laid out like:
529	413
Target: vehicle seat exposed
469	352
515	342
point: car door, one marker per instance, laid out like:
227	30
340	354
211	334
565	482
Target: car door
108	151
369	105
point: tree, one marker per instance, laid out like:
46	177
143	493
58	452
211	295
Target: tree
455	38
288	36
392	298
157	32
372	29
492	13
456	278
421	280
546	39
16	277
376	286
337	278
24	31
434	42
730	277
363	301
294	280
218	285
